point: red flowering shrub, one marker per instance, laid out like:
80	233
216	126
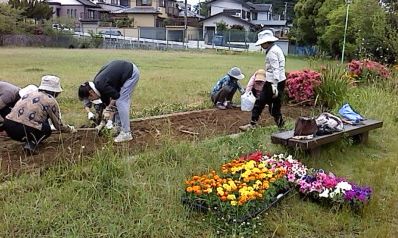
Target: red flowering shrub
301	84
367	70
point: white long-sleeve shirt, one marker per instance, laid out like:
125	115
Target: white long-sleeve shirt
275	65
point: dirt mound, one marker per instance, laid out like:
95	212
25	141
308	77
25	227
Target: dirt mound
148	133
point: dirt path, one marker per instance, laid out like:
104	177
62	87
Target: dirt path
148	132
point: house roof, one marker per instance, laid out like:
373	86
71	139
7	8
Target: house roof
244	3
260	7
226	15
88	3
270	22
85	3
111	7
138	10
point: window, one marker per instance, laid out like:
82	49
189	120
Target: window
161	3
68	12
144	2
254	16
75	13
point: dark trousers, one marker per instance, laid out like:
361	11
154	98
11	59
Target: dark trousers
265	98
7	109
21	132
225	94
3	113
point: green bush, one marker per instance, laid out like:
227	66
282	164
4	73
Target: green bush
333	88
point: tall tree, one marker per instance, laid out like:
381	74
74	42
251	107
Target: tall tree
8	18
35	9
304	23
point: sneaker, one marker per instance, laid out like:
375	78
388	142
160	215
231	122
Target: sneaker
220	106
248	127
228	105
123	136
30	148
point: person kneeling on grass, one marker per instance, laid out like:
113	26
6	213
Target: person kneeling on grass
114	85
28	120
256	83
224	90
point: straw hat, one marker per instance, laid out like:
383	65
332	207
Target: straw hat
260	75
28	89
266	36
50	83
236	73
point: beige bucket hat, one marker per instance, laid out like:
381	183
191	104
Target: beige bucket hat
50	83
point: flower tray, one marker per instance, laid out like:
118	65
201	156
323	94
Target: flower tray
201	205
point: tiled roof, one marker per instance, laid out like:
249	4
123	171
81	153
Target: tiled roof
142	10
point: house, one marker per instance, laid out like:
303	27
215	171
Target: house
238	12
82	11
149	13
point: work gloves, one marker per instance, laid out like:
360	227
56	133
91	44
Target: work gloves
108	113
274	90
91	116
72	129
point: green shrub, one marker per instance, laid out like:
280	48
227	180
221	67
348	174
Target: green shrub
333	88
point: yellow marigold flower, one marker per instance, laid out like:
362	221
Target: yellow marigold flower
234	203
226	187
209	190
220	191
232	184
231	197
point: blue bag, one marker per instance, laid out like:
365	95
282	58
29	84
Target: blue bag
348	113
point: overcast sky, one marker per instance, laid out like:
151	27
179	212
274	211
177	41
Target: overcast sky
193	2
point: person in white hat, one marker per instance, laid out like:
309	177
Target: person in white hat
256	83
274	85
224	90
114	84
28	120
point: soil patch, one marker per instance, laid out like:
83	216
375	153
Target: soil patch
148	133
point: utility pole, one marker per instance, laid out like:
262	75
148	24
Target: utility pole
348	2
185	21
285	11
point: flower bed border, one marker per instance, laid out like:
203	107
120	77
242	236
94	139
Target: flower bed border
199	206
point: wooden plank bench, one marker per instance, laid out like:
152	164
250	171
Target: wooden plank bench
360	134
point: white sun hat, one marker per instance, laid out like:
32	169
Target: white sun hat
236	73
28	89
266	36
50	83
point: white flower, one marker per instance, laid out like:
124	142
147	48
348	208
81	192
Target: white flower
324	194
344	186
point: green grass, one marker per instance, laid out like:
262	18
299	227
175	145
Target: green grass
114	194
169	80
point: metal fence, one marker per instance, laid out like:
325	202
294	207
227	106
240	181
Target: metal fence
146	38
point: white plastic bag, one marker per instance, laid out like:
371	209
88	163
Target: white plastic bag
247	101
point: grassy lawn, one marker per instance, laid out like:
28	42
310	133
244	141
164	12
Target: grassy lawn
139	196
169	81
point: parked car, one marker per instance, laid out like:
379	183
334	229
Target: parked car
61	27
111	33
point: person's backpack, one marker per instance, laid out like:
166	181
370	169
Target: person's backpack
348	113
328	123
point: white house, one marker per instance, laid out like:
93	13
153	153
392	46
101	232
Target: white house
238	12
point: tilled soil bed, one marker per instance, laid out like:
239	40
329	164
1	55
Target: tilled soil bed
148	133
